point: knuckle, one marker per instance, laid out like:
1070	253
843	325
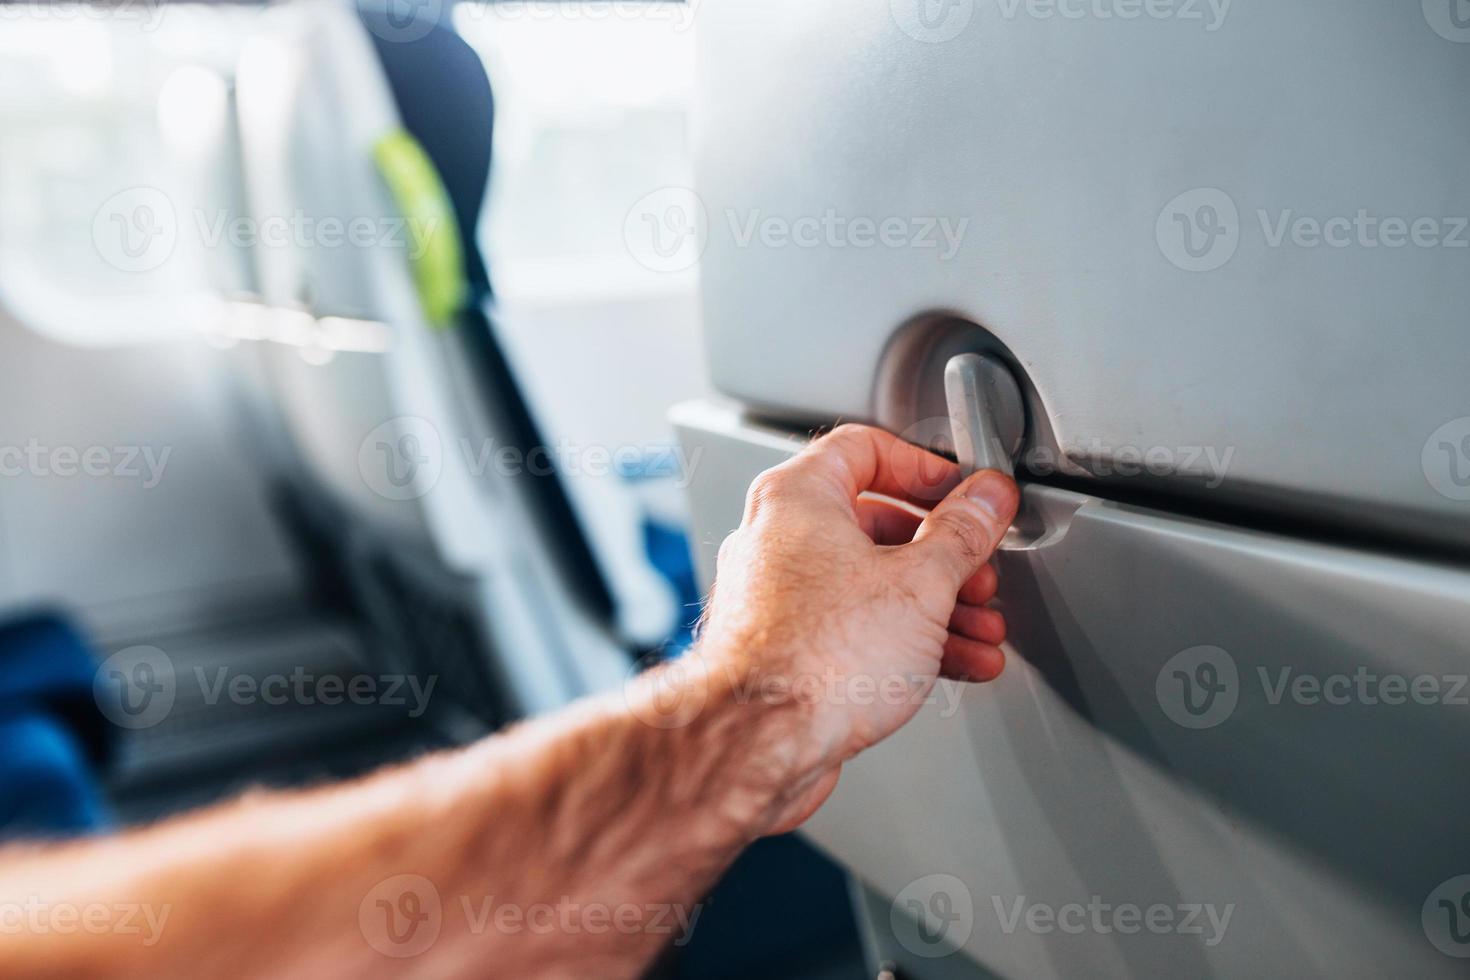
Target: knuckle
771	483
972	540
847	430
766	489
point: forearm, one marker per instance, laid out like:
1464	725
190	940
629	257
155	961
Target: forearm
579	843
617	827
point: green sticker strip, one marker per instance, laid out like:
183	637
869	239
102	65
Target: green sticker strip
435	259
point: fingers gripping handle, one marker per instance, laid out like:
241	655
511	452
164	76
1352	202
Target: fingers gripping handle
985	411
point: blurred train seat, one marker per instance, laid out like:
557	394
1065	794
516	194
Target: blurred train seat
384	413
55	738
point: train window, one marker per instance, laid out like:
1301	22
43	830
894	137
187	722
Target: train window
114	132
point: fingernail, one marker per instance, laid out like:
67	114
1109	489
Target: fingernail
991	492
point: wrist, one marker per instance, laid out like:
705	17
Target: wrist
732	711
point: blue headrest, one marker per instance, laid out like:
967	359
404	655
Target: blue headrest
443	97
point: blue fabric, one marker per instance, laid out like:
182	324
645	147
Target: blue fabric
53	738
668	551
42	656
48	787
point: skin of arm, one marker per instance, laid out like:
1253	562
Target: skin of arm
578	844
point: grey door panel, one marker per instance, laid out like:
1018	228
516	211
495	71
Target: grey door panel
881	927
1192	715
1077	150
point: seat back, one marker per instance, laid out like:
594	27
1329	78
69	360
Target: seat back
375	288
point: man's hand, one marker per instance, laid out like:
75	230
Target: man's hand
850	607
832	617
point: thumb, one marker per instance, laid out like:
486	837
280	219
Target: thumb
961	533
